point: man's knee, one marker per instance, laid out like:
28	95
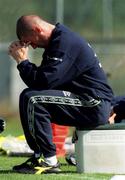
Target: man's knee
24	94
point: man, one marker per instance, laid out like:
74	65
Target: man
68	88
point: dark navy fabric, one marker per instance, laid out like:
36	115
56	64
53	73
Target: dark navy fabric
38	110
118	104
68	64
69	69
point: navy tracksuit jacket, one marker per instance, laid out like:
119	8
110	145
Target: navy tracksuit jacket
68	88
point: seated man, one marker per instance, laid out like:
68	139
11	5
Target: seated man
69	88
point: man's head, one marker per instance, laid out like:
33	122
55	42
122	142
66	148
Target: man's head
33	30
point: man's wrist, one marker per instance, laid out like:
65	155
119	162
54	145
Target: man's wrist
20	61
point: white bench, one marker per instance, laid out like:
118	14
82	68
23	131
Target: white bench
101	150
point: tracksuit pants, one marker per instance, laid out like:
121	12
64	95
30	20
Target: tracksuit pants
39	108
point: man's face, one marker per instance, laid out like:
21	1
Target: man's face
33	40
29	41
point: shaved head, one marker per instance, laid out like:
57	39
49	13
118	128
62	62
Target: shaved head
26	23
33	30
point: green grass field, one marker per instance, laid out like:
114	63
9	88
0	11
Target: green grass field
68	172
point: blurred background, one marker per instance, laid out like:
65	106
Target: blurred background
101	22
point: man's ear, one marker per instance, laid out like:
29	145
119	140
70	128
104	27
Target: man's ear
37	29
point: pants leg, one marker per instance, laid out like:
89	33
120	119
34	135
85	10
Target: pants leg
39	108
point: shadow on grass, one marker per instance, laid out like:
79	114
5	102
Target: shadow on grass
13	172
6	172
65	165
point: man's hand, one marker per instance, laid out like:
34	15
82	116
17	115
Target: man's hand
18	51
2	124
112	117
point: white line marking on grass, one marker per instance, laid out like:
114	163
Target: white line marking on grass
79	177
118	177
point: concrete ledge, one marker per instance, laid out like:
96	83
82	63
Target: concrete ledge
101	149
104	127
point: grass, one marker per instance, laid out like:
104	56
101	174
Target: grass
13	128
68	172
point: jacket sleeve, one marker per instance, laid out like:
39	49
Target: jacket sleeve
58	69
